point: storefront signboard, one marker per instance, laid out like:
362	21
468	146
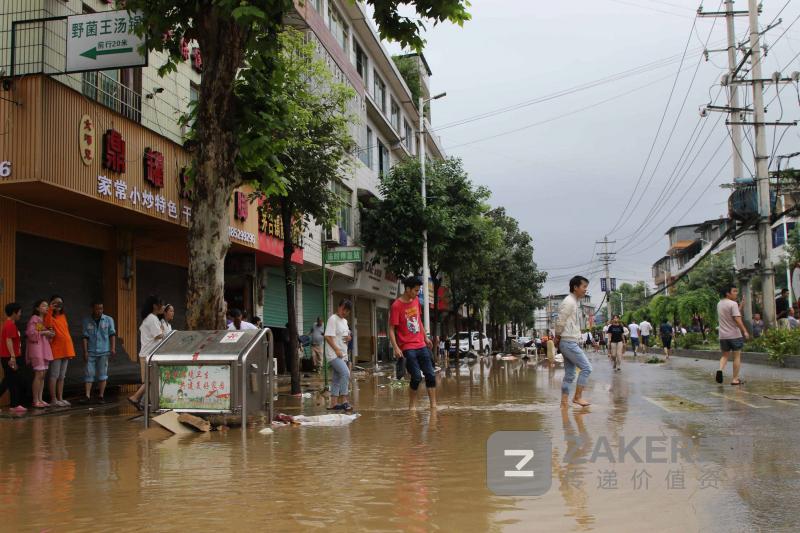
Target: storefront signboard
351	254
87	140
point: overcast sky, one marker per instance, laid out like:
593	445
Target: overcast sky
567	173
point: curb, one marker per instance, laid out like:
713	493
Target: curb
756	358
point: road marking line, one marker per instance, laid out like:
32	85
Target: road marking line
731	398
786	402
658	404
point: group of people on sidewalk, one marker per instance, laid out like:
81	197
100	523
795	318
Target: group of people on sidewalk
49	348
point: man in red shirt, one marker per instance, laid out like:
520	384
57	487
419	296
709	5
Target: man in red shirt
9	352
410	342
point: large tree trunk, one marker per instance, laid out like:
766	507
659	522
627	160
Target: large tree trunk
215	173
290	274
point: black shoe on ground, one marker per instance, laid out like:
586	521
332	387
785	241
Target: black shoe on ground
101	400
719	376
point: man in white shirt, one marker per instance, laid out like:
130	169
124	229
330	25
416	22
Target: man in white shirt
568	338
633	329
337	335
238	324
645	330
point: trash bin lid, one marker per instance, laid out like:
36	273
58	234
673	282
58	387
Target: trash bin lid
207	344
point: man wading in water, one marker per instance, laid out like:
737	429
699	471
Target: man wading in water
408	337
568	337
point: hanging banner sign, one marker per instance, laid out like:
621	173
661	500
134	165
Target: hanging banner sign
104	40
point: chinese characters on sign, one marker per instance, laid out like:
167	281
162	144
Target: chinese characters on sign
86	139
270	223
195	387
113	151
197	60
241	204
105	40
154	167
344	255
119	190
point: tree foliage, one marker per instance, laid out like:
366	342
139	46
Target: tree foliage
313	141
516	288
233	34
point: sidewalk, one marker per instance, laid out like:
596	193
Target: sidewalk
757	358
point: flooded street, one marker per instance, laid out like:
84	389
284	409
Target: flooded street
395	470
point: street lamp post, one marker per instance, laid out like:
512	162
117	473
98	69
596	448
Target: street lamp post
425	269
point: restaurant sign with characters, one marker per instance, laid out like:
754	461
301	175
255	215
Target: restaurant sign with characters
195	387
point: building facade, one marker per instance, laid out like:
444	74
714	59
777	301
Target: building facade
94	204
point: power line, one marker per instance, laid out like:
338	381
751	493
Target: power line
658	131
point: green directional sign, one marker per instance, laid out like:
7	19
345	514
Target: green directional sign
94	52
338	256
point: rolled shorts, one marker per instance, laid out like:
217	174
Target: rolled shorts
646	340
635	341
96	368
731	345
667	341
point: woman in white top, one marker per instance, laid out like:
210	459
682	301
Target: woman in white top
167	318
151	331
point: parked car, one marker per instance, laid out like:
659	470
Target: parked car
464	345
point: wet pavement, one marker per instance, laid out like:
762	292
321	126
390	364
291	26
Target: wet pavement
395	470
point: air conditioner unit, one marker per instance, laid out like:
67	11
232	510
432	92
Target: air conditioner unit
330	235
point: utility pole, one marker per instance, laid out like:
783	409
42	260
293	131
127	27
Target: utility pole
607	258
426	274
762	172
735	116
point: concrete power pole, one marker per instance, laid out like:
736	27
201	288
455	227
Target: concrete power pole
735	114
607	258
762	172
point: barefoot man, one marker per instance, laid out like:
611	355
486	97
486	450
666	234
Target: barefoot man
568	338
408	337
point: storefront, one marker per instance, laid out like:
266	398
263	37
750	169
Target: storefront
96	206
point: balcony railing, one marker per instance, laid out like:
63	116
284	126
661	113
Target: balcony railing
111	93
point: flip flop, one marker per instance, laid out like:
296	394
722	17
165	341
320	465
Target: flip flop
740	382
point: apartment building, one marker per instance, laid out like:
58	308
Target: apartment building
97	176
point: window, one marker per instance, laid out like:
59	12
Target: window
194	96
317	5
778	237
383	159
338	27
409	137
345	219
365	154
118	89
395	118
379	92
361	61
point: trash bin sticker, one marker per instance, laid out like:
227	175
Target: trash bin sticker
231	337
195	387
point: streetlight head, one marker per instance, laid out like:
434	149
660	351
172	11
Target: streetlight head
440	95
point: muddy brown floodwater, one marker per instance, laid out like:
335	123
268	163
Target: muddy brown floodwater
390	470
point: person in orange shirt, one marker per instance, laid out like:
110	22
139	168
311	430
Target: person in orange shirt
62	347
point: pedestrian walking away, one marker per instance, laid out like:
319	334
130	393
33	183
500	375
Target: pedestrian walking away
645	331
62	348
410	342
11	357
633	328
732	333
666	331
617	333
337	335
568	336
99	343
